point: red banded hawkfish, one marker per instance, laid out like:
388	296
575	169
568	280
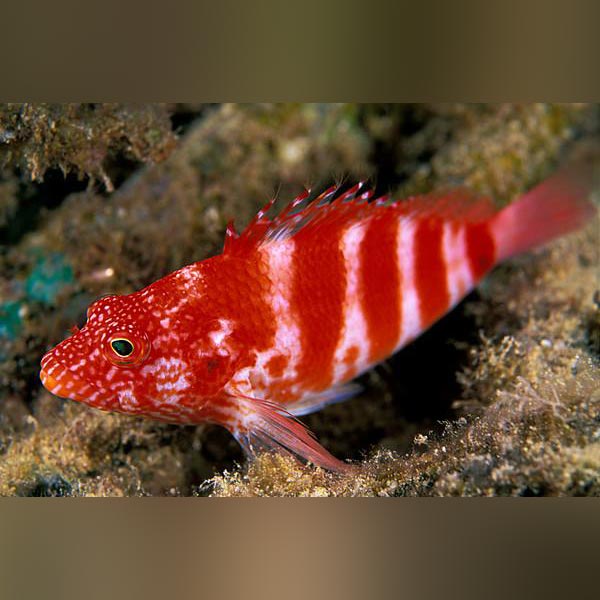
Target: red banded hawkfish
297	306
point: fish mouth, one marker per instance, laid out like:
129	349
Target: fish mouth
63	382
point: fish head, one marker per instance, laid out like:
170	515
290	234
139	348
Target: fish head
120	360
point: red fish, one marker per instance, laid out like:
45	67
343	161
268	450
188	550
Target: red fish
297	306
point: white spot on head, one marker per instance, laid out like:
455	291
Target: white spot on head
170	375
164	365
220	334
127	399
189	276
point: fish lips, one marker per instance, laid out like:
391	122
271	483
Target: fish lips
64	382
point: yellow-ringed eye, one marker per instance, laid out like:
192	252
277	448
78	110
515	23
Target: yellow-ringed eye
122	347
126	347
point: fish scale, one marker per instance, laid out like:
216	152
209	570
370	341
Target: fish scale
297	306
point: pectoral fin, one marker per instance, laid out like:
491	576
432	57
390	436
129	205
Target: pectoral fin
268	426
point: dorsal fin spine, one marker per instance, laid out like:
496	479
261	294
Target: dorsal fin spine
350	207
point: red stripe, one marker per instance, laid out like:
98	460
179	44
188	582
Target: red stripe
237	291
319	283
481	249
430	271
380	281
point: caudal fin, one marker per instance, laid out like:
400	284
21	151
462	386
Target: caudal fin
557	206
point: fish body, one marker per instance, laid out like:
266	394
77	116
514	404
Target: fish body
297	306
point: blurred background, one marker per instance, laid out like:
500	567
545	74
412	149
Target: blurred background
499	398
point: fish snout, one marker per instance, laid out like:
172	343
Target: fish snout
64	382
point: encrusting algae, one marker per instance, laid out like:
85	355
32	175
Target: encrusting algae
82	138
524	419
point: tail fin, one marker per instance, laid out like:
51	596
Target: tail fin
557	206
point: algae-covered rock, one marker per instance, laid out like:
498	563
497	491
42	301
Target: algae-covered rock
81	137
501	397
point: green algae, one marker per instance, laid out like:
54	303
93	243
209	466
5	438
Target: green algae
515	347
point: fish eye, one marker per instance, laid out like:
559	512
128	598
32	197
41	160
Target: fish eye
122	347
126	348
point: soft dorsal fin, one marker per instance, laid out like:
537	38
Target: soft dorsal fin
350	207
455	205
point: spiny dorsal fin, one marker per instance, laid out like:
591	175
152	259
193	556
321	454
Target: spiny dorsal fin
325	208
231	235
350	207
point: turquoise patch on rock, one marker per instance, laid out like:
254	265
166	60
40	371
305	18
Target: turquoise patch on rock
51	274
10	319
